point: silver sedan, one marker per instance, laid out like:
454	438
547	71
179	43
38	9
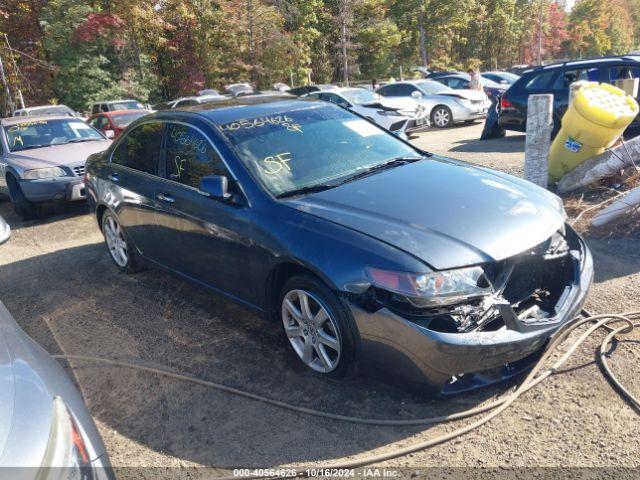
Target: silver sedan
445	105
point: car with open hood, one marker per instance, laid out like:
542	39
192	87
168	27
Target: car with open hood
400	116
445	105
42	160
366	250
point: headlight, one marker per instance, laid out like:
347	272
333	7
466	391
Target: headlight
50	172
464	102
66	455
433	288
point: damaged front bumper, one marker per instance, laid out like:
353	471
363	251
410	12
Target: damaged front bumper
417	352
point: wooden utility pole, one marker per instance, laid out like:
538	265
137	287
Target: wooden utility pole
10	103
540	16
344	19
538	142
15	72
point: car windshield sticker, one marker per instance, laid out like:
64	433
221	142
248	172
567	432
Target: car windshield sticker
275	120
273	164
179	162
20	127
362	128
181	136
572	145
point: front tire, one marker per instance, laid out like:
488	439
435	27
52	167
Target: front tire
317	326
25	209
121	251
442	117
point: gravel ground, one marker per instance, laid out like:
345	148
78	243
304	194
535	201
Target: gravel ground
59	283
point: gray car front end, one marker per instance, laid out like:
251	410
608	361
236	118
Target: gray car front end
47	173
46	431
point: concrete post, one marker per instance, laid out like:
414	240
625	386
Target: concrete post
538	142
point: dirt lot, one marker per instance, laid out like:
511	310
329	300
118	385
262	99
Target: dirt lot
59	283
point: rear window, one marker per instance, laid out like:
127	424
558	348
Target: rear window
574	75
126	105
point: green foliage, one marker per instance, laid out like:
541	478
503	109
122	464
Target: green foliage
81	51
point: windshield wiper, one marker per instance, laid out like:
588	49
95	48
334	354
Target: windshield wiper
29	147
305	190
78	140
396	162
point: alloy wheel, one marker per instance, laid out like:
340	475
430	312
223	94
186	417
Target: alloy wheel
441	117
115	242
311	330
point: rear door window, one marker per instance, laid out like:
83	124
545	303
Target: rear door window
140	148
389	91
574	75
623	72
190	156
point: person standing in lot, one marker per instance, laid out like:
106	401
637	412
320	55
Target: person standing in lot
476	80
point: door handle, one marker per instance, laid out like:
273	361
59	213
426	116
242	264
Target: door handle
168	198
114	177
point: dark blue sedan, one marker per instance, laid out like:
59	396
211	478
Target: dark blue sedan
364	249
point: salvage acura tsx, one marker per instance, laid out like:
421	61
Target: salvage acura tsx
368	251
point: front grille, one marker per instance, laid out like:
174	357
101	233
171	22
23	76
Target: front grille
79	170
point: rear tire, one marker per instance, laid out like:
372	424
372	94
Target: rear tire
121	251
323	342
25	209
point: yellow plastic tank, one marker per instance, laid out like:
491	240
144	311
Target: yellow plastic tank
595	119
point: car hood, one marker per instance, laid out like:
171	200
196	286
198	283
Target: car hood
447	214
466	93
68	154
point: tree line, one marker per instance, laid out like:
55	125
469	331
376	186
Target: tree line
79	51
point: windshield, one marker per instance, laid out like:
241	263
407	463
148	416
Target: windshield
310	147
121	120
126	105
359	96
431	86
43	133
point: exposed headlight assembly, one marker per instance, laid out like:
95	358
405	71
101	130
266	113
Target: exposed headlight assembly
38	173
433	288
66	456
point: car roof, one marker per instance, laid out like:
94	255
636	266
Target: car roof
120	112
585	61
116	101
36	118
249	106
40	107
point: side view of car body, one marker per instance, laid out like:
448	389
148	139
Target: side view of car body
445	105
366	250
45	110
44	423
112	124
555	79
42	160
400	116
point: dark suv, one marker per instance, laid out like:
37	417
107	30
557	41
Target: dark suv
556	79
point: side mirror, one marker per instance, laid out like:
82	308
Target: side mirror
416	94
215	186
110	134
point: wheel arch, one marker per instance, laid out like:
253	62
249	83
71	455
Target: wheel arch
277	277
